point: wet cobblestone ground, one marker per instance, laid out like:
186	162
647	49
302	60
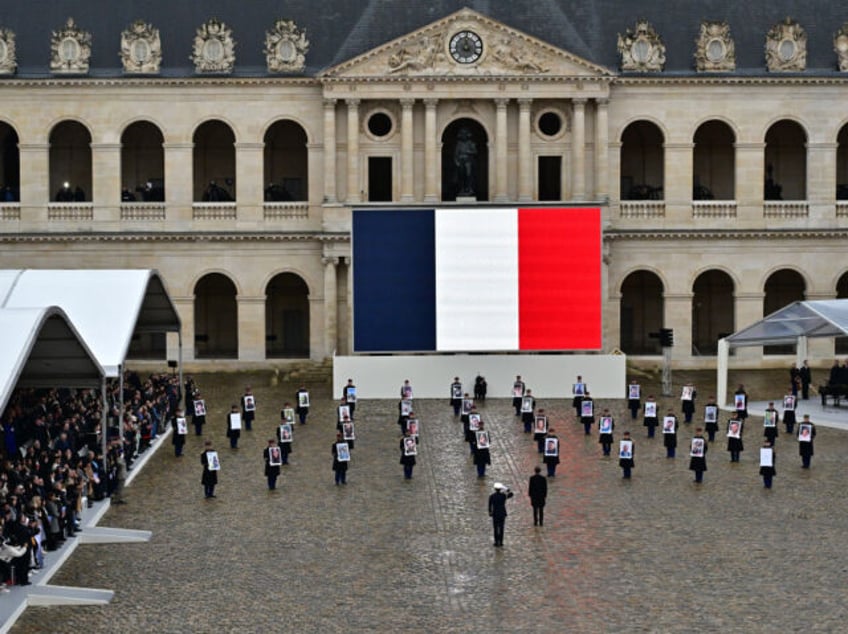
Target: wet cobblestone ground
381	554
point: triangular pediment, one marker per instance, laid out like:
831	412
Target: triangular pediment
501	52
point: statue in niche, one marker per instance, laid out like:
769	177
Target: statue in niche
465	161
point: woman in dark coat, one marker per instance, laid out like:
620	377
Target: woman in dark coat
712	424
272	471
789	413
651	422
670	435
408	461
233	434
339	466
178	439
805	443
587	405
285	444
605	439
209	479
687	405
634	402
627	462
734	445
482	458
742	412
551	461
698	459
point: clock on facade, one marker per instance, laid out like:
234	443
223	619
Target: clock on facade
466	47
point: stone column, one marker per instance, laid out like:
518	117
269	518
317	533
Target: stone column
251	328
330	150
821	179
677	314
677	182
184	306
750	182
525	183
106	181
250	192
353	184
179	185
501	155
431	157
578	149
406	147
602	178
749	309
35	163
316	328
330	305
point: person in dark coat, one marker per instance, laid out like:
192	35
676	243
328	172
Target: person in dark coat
789	413
284	442
497	511
407	459
271	454
627	462
178	436
711	425
232	433
806	376
349	395
482	457
770	430
605	438
742	412
339	466
687	405
735	427
540	431
199	420
651	422
587	413
537	491
248	408
551	460
480	388
210	477
456	396
518	388
769	471
634	399
527	409
302	411
670	425
805	441
579	390
698	455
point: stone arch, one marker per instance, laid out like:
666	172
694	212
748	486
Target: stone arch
841	345
470	179
641	311
286	161
70	161
10	163
842	163
786	161
143	162
713	310
714	161
642	161
286	316
214	161
215	317
782	287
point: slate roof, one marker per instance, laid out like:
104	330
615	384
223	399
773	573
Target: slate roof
341	29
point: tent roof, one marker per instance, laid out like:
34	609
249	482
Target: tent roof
41	348
106	306
824	318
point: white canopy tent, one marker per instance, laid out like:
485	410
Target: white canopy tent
794	323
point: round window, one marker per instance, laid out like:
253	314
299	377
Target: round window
379	124
550	124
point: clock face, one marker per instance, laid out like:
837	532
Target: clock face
466	47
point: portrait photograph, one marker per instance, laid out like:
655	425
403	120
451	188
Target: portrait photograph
200	408
697	448
734	429
467	404
552	446
482	440
586	408
805	432
213	461
350	394
412	427
625	449
342	452
710	414
739	401
770	419
406	391
668	425
409	447
288	414
766	457
686	394
405	407
275	458
578	389
456	391
633	391
344	412
235	420
182	426
249	403
303	399
474	422
651	410
527	404
286	432
517	390
789	403
606	425
541	425
348	431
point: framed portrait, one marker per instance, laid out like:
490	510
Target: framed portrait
409	447
275	457
696	450
406	392
625	449
711	414
633	391
517	390
587	408
668	425
474	422
686	394
213	461
235	420
342	452
303	399
249	403
200	408
182	426
734	429
789	403
527	404
766	457
456	390
805	432
288	414
540	426
348	432
606	425
650	409
405	407
482	439
739	401
770	418
467	404
286	432
578	389
551	446
350	394
413	427
344	412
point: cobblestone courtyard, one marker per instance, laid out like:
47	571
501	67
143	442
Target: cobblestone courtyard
381	554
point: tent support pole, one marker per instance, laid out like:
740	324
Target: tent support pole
104	422
721	372
121	435
180	363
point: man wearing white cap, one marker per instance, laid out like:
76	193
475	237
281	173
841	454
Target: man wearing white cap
497	510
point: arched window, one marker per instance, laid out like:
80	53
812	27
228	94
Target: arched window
642	162
641	313
286	317
214	163
215	318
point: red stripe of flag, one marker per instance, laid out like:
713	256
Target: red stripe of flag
559	279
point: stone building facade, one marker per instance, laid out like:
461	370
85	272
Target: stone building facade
717	150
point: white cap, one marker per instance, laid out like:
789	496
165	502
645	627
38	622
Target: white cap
498	486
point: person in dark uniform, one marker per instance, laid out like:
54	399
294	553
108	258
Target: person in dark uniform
528	406
687	405
651	422
587	412
480	388
232	433
735	427
482	457
518	388
199	420
578	390
770	430
248	408
537	491
698	455
407	459
805	441
789	413
456	396
712	424
349	395
497	511
209	479
339	466
551	460
634	399
806	376
769	471
540	429
302	411
625	461
178	437
271	454
742	411
670	425
284	442
605	437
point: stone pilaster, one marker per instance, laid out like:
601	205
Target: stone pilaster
251	328
407	166
602	179
179	189
677	315
501	151
330	305
750	181
250	191
353	185
677	182
35	163
431	145
525	184
330	150
578	149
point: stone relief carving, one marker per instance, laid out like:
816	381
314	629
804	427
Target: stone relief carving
840	45
214	48
141	48
641	49
514	55
285	47
786	47
715	50
8	55
422	54
70	49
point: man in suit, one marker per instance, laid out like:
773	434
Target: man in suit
538	491
806	376
497	511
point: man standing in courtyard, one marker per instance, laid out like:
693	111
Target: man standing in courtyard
538	492
497	511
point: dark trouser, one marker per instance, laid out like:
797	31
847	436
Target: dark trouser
634	413
498	526
626	475
407	471
699	476
198	429
234	442
302	417
284	457
687	418
551	469
651	430
767	481
670	451
540	444
734	456
481	470
528	426
538	515
272	482
209	490
607	448
456	410
341	476
711	435
248	424
178	450
805	461
790	427
587	428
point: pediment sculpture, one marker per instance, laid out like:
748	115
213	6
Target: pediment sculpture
141	49
214	48
786	47
840	46
714	48
8	55
70	49
641	49
286	47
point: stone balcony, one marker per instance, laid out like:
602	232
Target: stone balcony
786	209
713	208
642	208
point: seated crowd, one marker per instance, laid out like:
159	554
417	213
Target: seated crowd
52	463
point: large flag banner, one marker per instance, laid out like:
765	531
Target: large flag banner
487	279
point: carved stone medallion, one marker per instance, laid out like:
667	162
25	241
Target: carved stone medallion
840	45
70	49
141	49
641	49
786	47
8	56
214	48
285	47
714	48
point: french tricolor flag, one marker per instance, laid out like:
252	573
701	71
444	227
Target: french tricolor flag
485	279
